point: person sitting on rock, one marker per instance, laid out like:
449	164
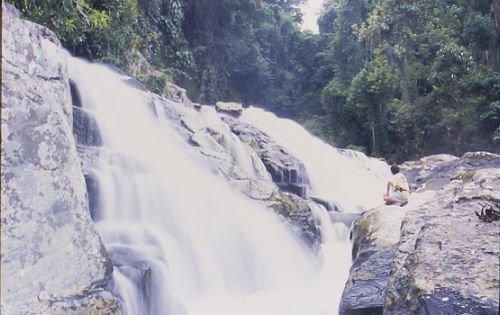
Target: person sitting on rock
398	189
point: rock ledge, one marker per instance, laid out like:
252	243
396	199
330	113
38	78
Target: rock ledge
434	256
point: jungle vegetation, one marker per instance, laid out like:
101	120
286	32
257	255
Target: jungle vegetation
393	78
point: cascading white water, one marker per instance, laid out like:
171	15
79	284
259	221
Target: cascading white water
349	179
183	241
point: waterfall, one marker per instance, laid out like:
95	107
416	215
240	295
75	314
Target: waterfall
182	241
348	178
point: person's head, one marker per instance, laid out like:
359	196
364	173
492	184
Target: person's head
394	169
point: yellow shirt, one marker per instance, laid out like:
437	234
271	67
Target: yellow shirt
400	184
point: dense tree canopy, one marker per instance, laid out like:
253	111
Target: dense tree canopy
428	76
397	79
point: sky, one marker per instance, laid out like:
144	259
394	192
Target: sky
311	10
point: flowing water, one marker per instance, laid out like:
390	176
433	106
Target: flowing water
347	178
183	241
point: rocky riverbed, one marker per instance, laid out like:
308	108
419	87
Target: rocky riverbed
435	255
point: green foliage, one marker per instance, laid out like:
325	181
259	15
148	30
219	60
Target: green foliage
450	64
319	126
491	119
156	82
425	78
100	30
118	43
397	79
479	30
70	19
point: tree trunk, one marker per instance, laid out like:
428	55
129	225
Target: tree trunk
495	10
374	147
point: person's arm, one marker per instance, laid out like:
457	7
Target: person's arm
389	185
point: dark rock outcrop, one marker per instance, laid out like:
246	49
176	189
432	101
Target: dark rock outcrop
375	236
135	267
53	261
286	171
231	108
434	256
85	128
93	192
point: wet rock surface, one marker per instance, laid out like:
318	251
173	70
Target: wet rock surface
437	256
271	175
286	171
232	108
85	128
53	261
375	236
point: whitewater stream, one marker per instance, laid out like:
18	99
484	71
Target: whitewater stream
183	241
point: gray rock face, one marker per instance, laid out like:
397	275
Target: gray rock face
177	94
433	256
232	108
95	302
448	259
52	259
286	171
375	236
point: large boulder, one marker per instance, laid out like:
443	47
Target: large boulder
433	256
375	236
231	108
177	94
53	261
448	259
286	171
